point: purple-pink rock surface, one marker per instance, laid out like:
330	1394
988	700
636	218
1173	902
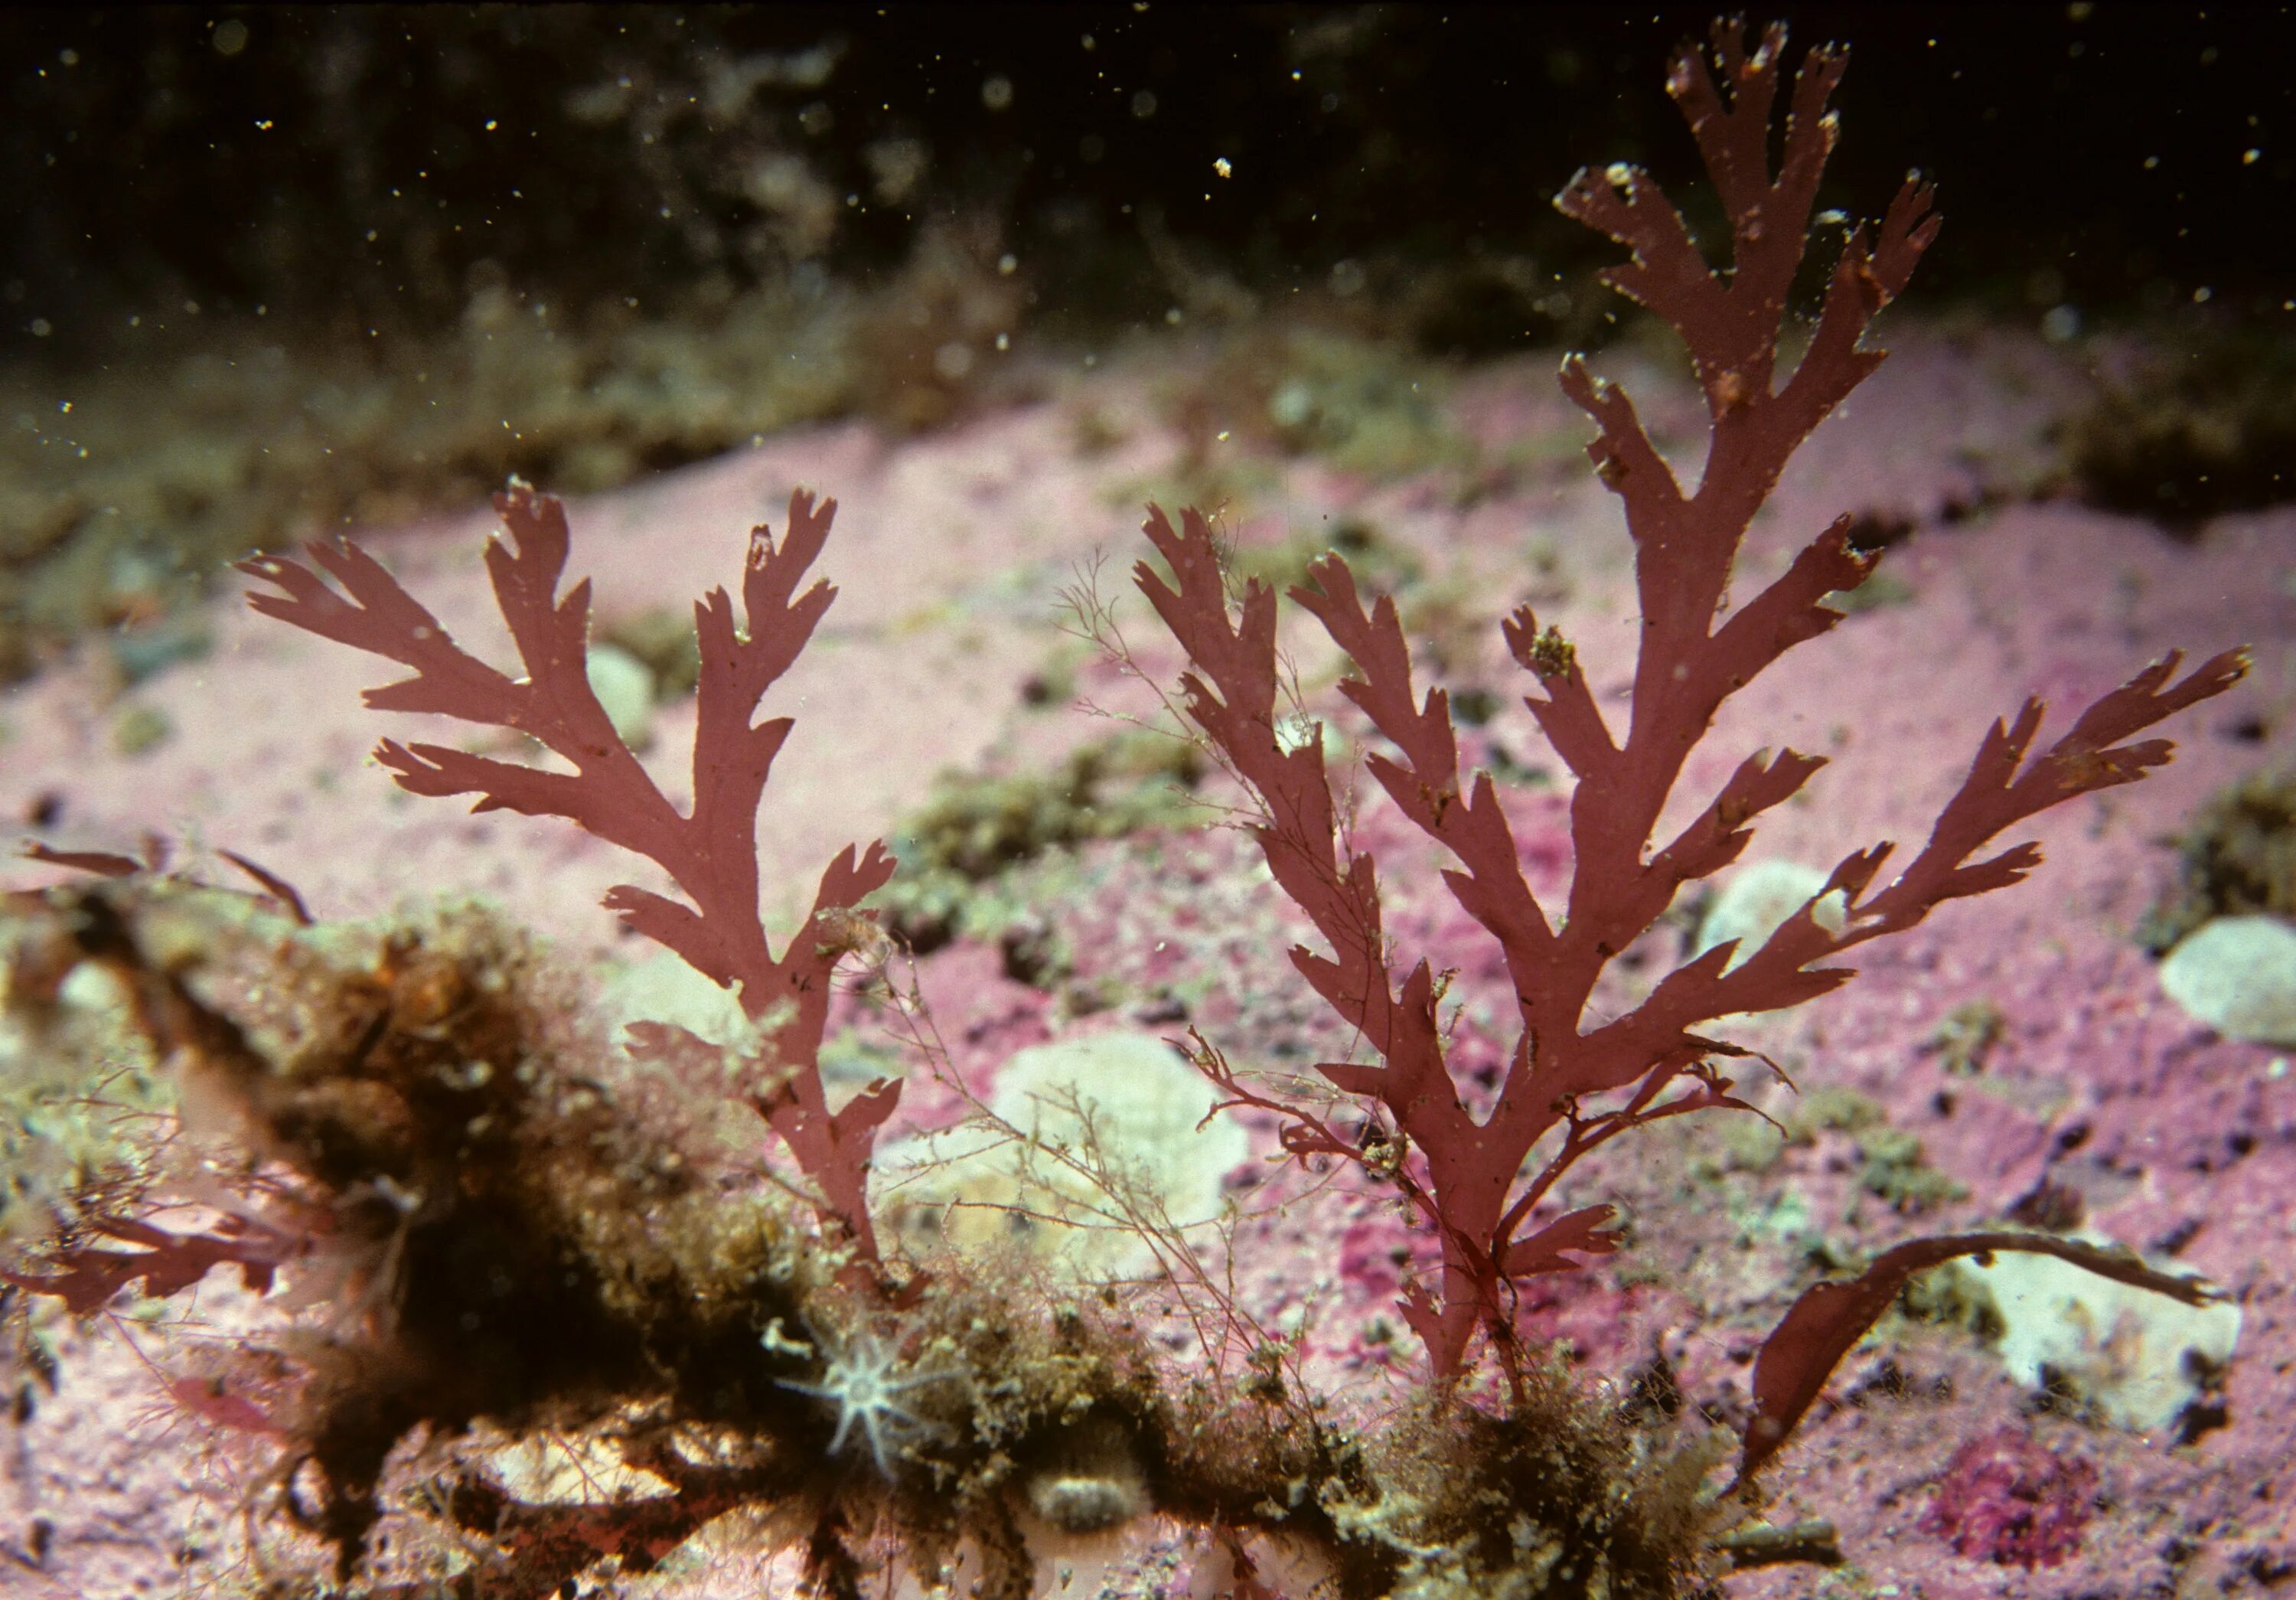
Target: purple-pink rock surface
2092	1098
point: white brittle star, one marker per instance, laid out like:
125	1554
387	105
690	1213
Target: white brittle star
861	1382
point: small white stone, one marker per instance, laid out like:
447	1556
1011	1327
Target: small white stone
1146	1106
558	1469
658	987
2134	1353
1757	900
624	685
2238	975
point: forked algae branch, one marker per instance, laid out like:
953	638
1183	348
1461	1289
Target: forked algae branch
475	1225
1571	1087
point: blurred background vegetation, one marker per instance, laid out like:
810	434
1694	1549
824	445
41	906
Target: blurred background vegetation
273	270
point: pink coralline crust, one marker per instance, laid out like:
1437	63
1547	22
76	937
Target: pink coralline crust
1375	1251
979	1018
2087	1055
2006	1499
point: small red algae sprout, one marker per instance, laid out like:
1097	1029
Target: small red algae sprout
710	852
2006	1499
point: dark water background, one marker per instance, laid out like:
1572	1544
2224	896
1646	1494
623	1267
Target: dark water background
268	268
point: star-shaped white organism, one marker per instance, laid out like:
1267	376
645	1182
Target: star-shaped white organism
864	1382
